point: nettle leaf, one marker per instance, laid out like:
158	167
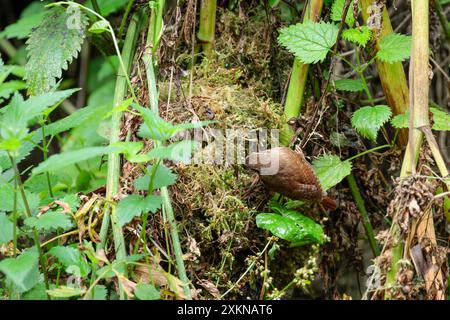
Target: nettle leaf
50	221
7	199
163	177
62	160
71	257
179	151
6	229
401	121
310	42
22	271
291	226
134	205
30	18
147	292
359	36
395	47
351	85
154	127
52	46
368	120
337	10
99	292
441	119
331	170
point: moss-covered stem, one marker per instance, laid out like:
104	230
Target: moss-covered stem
207	26
297	81
362	209
152	43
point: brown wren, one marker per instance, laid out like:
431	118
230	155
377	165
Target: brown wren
288	172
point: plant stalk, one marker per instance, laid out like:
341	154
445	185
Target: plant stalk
207	26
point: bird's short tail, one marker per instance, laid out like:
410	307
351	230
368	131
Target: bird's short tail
329	203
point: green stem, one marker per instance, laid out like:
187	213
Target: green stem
297	81
96	6
124	19
167	205
207	26
369	151
442	19
45	155
28	213
362	209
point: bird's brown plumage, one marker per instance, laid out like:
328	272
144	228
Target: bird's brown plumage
295	177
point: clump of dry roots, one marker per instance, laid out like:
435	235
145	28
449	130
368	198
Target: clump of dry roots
419	272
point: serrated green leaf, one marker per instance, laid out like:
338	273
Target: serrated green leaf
6	229
310	42
337	10
134	205
9	87
50	221
65	292
291	226
30	18
163	177
23	270
331	170
52	46
401	121
368	120
394	47
359	36
70	257
441	119
351	85
147	292
65	159
7	199
179	151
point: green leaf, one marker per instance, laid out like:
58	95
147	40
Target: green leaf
9	87
108	7
99	27
350	85
337	10
291	226
368	120
401	121
163	177
7	199
37	293
23	270
179	151
441	119
65	292
147	292
6	229
71	257
62	160
52	47
134	205
310	42
359	36
331	170
99	292
154	127
30	18
395	47
50	221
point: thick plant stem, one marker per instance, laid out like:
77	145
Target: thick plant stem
392	75
112	183
152	44
362	209
207	26
297	81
